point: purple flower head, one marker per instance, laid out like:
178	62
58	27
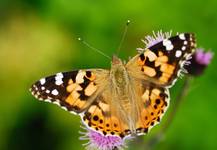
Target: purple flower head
202	57
100	141
200	60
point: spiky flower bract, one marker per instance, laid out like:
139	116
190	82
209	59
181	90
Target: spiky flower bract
157	37
98	141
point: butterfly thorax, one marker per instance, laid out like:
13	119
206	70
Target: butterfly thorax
118	72
118	76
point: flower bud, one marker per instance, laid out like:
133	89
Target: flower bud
199	61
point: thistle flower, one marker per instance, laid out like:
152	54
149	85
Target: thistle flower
101	142
200	60
151	40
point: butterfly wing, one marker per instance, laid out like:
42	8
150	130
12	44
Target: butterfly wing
73	91
87	93
148	101
102	116
155	101
152	72
163	62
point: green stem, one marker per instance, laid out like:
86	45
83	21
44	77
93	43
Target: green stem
179	99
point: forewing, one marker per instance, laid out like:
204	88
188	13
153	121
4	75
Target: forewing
163	62
73	91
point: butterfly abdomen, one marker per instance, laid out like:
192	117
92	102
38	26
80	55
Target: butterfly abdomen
122	96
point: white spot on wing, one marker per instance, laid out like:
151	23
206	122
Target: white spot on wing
178	53
42	81
47	91
58	78
55	92
57	103
64	108
43	88
59	82
183	48
185	42
47	100
168	44
40	98
49	97
182	36
36	88
37	93
72	112
59	75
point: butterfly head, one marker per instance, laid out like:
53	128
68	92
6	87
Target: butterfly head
116	60
117	65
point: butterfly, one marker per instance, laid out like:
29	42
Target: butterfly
128	99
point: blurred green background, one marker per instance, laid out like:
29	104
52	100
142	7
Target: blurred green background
39	38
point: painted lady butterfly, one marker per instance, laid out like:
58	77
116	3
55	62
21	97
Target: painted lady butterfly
127	99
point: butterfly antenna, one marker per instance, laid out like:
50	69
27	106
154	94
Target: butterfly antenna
123	36
93	48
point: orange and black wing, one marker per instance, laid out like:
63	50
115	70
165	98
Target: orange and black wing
162	63
155	102
84	92
74	91
102	117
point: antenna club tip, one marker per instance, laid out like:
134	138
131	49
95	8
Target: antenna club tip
128	22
